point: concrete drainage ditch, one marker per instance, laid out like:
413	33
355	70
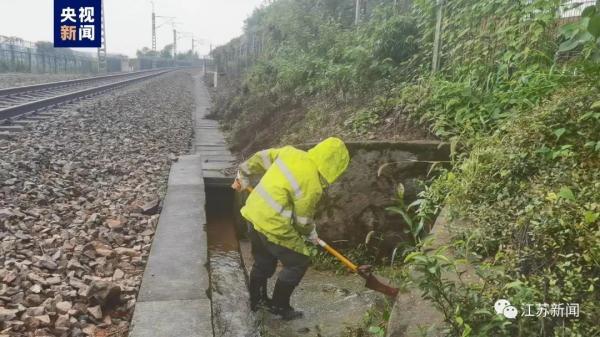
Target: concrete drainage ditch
231	314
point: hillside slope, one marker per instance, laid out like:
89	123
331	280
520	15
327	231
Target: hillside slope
516	93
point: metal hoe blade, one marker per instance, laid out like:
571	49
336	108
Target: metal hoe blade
364	271
375	284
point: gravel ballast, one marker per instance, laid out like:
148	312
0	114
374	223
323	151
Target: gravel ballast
79	202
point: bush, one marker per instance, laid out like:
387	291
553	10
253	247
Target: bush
530	193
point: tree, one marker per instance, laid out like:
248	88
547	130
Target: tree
167	51
146	52
187	56
44	47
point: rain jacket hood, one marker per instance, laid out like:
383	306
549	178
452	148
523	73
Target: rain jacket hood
331	157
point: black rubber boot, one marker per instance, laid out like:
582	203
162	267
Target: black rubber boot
264	298
280	304
258	294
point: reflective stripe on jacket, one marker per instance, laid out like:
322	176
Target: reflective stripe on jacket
283	204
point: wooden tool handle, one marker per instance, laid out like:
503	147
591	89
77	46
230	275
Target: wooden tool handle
339	256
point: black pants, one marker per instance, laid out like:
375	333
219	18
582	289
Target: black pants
266	254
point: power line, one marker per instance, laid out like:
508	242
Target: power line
168	20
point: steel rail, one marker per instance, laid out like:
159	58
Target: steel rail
61	84
34	106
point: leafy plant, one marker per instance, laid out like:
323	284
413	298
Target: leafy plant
363	121
414	221
583	33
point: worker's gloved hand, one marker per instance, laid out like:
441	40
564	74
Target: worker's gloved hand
241	182
313	237
236	185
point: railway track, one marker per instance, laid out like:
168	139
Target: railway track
27	100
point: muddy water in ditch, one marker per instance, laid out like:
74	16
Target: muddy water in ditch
232	316
332	304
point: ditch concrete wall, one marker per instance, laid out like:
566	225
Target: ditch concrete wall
355	205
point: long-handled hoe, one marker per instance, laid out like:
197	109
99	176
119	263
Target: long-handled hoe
364	271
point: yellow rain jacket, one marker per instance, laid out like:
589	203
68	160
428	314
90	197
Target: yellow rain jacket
283	204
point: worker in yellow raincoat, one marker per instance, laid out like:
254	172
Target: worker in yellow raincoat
281	210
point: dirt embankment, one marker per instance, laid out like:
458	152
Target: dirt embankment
255	123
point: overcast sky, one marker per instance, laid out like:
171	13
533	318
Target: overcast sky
129	25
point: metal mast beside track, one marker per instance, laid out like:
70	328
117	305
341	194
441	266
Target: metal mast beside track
102	68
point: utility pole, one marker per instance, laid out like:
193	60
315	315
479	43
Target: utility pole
153	28
181	35
216	76
196	42
102	68
357	13
174	43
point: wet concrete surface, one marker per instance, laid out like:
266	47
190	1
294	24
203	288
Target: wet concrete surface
231	314
209	142
230	303
332	304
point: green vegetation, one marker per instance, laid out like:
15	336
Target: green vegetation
517	95
530	195
298	52
166	53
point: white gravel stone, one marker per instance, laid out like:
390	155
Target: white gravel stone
63	307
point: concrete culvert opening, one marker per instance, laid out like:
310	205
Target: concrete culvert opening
229	293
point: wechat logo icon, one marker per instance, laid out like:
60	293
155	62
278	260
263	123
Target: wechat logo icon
503	307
